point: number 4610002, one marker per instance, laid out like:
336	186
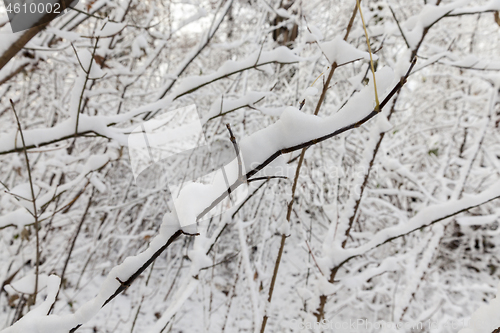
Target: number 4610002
33	8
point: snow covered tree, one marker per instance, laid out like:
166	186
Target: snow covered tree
341	165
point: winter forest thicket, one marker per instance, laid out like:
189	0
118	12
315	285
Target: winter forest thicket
252	166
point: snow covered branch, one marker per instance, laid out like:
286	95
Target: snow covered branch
13	43
292	122
428	216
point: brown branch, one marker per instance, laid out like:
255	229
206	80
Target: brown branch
79	134
28	34
236	150
73	242
33	201
250	105
326	85
19	44
13	73
87	78
365	180
399	27
125	284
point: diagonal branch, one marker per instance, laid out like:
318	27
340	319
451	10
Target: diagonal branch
35	214
17	43
306	144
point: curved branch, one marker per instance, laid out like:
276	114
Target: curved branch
306	144
17	42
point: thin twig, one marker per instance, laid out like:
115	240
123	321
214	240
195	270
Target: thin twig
37	264
87	74
377	107
236	150
78	58
314	258
399	27
73	242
